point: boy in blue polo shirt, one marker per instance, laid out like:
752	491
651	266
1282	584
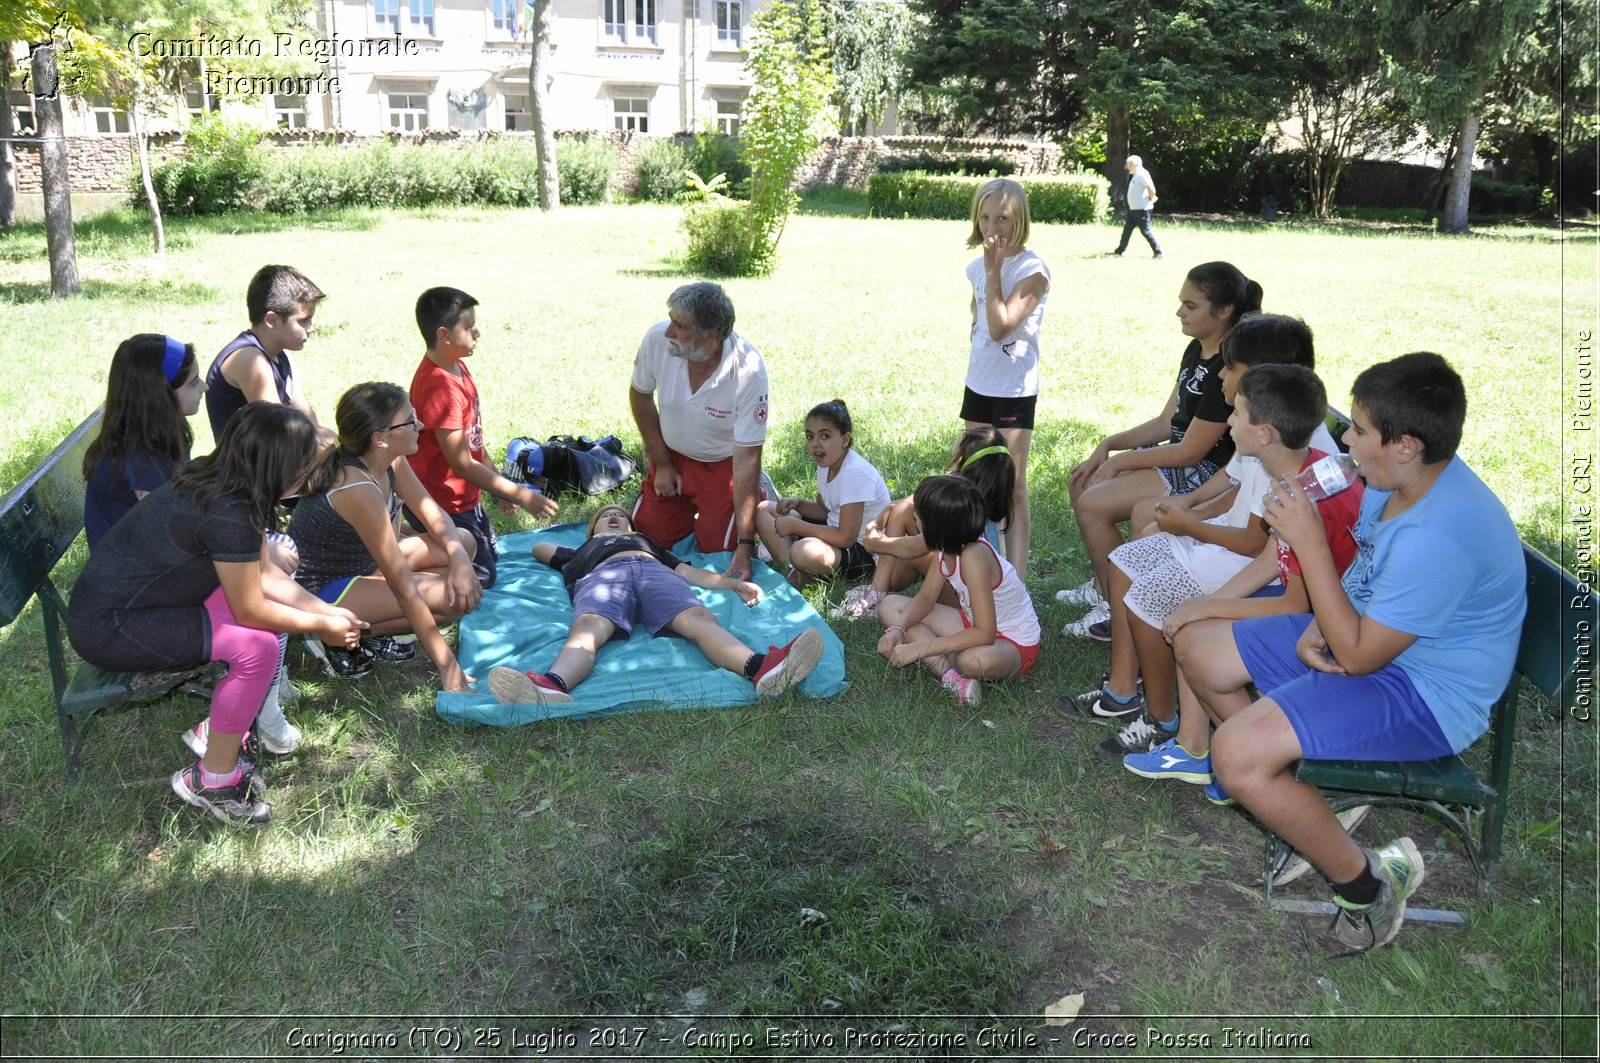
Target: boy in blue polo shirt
1401	660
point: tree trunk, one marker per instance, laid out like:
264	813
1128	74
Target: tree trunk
8	169
157	230
1436	197
1118	132
1453	218
539	104
53	169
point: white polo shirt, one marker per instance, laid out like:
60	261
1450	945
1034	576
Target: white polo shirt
729	410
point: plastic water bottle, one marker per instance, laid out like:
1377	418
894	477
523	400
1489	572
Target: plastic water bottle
1325	477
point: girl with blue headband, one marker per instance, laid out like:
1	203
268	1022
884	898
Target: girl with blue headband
153	389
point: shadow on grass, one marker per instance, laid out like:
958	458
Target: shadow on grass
136	289
834	203
127	230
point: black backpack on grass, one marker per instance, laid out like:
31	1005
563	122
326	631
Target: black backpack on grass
569	463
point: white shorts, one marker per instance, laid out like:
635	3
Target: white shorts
1167	570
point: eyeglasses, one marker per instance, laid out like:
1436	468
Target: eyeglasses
413	423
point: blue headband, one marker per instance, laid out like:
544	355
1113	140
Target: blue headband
172	360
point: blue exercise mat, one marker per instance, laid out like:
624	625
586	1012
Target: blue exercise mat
522	623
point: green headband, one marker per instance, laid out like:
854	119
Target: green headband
984	453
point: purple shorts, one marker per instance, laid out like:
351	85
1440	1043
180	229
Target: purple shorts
1338	717
634	590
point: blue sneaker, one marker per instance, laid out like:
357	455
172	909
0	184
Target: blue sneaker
1216	794
1169	760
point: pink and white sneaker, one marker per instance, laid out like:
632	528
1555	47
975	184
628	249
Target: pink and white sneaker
968	691
511	687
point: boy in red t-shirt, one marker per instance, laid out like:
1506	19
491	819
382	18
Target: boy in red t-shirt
450	449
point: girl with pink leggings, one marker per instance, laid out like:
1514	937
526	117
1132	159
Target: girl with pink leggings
183	579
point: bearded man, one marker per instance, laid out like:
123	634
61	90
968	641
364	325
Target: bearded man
699	397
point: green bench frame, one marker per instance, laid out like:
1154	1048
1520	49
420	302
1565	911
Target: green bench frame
1548	656
39	521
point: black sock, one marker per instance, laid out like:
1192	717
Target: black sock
558	681
1363	889
753	665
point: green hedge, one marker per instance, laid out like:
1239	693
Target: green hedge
1070	198
221	173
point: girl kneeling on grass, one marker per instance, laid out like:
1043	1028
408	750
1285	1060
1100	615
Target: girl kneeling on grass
182	579
619	578
995	632
821	536
894	536
350	554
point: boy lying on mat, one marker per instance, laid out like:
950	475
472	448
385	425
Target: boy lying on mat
619	578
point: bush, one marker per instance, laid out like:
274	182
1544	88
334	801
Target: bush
715	153
223	168
1488	196
1072	199
385	174
946	163
724	240
587	168
658	170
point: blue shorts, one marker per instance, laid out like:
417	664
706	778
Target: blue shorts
634	590
1338	717
334	590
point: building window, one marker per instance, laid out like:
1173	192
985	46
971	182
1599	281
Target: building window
630	21
421	18
728	19
289	112
728	117
386	16
631	113
503	14
22	108
108	119
408	111
389	16
519	116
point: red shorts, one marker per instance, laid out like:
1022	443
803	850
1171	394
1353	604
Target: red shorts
1029	654
703	505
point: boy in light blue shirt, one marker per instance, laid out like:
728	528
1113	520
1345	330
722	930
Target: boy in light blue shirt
1399	660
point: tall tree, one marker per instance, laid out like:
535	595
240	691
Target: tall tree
8	168
867	40
54	170
784	117
1444	56
20	21
107	61
539	20
1038	66
1343	105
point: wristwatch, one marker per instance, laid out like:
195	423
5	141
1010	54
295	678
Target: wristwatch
746	540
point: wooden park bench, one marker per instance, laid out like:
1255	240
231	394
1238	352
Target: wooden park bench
39	521
1555	637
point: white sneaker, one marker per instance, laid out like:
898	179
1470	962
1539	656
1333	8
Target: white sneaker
277	734
1084	594
1100	614
1298	865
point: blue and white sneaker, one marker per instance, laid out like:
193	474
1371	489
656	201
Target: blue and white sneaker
1216	794
1169	760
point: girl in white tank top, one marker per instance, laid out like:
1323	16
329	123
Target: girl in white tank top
995	632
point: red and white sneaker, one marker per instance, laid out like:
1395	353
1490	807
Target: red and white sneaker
785	667
511	687
967	690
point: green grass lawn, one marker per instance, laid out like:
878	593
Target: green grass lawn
969	864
